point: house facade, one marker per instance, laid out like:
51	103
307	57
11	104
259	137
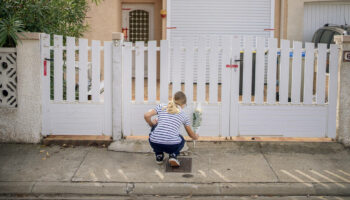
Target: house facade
161	19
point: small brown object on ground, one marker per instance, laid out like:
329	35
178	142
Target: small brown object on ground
185	166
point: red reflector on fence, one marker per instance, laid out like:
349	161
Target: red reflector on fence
45	67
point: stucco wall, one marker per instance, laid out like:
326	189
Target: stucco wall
23	124
295	18
106	18
343	133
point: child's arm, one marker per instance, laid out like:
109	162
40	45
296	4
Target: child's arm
190	133
148	117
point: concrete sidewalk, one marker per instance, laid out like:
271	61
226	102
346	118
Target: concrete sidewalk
218	168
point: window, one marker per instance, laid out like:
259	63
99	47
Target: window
335	33
317	36
326	36
139	25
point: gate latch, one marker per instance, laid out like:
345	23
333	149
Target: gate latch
234	66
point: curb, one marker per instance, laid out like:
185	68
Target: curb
196	189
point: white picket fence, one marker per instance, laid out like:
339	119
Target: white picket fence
289	73
76	114
284	91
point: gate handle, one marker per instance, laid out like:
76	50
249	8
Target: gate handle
239	60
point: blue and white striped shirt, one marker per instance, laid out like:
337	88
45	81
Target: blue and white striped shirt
168	127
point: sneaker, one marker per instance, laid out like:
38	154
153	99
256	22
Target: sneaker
173	161
159	159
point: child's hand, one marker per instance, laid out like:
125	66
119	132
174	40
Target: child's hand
155	121
195	137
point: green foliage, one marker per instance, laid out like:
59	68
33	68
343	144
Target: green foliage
9	28
61	17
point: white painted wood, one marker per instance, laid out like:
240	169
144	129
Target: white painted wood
296	72
234	114
226	88
333	91
107	46
58	68
45	54
96	60
83	68
152	71
283	120
210	120
271	71
189	55
321	73
139	72
201	70
309	73
70	54
164	71
76	119
284	72
213	70
176	67
127	88
247	70
318	13
259	71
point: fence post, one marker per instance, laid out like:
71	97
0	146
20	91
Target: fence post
343	133
117	85
23	123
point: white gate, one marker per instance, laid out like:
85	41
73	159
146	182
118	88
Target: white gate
72	99
299	99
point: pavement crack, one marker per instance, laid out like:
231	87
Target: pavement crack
130	188
75	172
31	190
268	163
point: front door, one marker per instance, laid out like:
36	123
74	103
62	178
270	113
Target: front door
137	22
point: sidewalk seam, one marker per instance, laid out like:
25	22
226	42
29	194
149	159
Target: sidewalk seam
268	163
71	180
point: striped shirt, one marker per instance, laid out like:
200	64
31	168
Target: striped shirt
168	127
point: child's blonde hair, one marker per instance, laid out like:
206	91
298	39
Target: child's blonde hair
179	99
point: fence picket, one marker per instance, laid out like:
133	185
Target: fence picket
321	73
213	70
139	72
58	68
259	71
226	87
333	91
70	69
152	71
247	70
296	72
176	67
189	55
271	71
127	87
96	59
309	73
83	67
284	72
164	71
201	70
234	119
107	53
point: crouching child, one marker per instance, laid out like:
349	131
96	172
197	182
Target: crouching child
165	134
